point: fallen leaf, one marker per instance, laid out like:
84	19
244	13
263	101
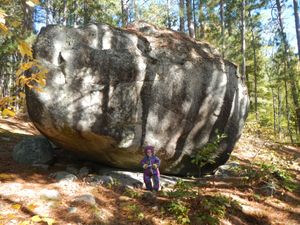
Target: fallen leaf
32	207
36	218
5	176
26	222
8	112
49	221
16	206
11	216
3	28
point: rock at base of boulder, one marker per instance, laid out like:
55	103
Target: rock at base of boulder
33	150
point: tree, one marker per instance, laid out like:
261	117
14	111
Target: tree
297	25
181	15
292	81
243	48
190	19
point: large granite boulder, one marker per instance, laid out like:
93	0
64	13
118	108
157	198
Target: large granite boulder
111	91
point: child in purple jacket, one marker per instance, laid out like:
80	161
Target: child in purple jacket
151	163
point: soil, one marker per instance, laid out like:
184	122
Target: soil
22	188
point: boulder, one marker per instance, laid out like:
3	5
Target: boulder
33	150
111	91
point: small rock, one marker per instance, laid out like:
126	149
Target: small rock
5	139
138	184
269	189
33	150
149	197
227	169
83	172
155	208
63	176
107	179
72	169
123	198
50	194
42	166
88	198
72	209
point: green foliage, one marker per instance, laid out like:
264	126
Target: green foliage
182	190
211	209
135	212
178	208
268	173
206	155
131	193
272	173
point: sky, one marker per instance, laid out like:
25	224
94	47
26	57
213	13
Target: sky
288	23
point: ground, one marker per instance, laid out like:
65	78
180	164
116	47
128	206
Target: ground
261	189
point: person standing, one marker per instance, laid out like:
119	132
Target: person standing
150	164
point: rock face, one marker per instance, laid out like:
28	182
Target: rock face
33	150
112	91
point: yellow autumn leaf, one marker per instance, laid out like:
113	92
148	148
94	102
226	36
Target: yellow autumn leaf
26	222
3	28
2	14
25	49
36	218
10	216
28	65
49	221
15	23
8	112
16	206
1	217
37	89
32	207
5	176
33	3
4	100
22	95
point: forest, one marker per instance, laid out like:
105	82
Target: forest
260	182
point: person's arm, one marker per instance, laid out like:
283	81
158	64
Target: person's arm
156	162
144	163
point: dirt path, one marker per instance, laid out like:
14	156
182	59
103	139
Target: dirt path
30	195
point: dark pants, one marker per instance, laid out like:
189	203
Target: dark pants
148	181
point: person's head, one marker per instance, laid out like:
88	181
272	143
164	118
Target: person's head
149	150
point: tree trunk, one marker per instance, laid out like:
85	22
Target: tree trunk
287	109
135	4
255	66
181	15
194	18
292	79
274	109
201	20
279	112
65	12
222	27
124	5
169	25
86	18
243	42
189	19
47	11
297	25
27	18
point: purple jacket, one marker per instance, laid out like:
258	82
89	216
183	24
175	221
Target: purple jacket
150	161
